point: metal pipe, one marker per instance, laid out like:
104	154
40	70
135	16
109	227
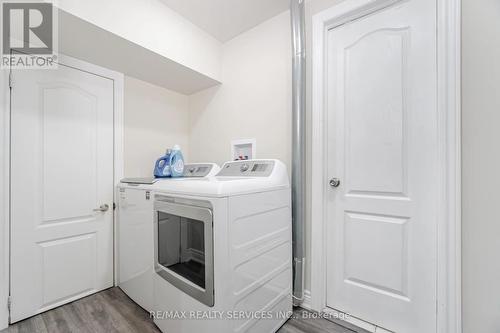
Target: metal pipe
297	15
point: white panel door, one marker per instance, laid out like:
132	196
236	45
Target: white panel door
382	146
62	169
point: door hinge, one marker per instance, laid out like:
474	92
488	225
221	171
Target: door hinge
114	205
11	80
9	303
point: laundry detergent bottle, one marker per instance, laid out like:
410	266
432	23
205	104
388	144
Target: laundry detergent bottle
162	166
176	162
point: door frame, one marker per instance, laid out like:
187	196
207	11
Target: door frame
449	318
118	167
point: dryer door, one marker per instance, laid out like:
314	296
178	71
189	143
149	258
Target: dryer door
184	248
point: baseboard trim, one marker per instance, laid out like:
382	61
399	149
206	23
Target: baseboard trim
306	303
350	322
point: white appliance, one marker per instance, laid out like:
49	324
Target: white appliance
223	252
135	266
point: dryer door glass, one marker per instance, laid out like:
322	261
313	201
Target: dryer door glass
182	246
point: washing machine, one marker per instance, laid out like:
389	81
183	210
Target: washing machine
135	264
223	251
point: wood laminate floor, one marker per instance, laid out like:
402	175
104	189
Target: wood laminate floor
112	311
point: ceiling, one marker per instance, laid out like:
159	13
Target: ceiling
225	19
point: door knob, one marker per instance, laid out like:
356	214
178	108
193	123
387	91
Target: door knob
102	208
334	182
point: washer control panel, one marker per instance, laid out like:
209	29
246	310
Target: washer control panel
249	168
197	170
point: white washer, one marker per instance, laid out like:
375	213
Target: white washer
223	252
135	266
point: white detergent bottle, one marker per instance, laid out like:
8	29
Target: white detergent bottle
176	162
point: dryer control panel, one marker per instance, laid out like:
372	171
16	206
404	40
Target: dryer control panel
248	168
197	170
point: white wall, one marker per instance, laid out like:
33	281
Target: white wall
254	100
481	165
155	119
151	24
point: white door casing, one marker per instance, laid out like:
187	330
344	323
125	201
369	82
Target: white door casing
448	77
62	158
447	146
4	197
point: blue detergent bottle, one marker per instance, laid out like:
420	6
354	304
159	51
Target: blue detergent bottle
162	166
176	162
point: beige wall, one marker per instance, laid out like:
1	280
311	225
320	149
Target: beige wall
481	165
254	100
155	119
